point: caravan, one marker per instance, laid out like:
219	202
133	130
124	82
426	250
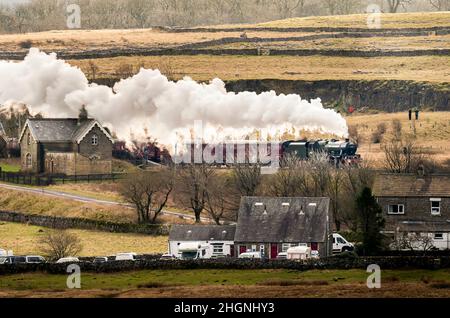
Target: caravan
194	250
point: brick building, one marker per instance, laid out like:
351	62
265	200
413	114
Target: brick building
72	146
415	204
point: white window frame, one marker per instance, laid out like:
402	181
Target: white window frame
94	140
435	210
29	164
396	213
438	239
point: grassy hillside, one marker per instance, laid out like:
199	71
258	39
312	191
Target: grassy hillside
24	240
389	20
311	68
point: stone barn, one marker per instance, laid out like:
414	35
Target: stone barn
71	146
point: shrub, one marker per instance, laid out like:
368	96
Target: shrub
27	44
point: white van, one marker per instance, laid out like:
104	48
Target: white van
193	250
340	244
126	257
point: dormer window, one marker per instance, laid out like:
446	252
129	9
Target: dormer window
94	140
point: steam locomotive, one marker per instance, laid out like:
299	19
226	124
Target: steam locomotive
337	151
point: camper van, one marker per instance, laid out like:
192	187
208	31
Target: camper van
6	253
301	252
340	244
193	250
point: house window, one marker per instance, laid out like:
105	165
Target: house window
435	206
29	161
94	140
28	139
438	236
218	249
396	209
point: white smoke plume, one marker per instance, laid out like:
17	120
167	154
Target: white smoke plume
150	102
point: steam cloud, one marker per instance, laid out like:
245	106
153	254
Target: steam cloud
150	102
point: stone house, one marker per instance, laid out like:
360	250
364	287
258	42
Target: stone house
271	225
71	146
221	237
415	204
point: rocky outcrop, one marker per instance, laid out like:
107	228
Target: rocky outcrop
388	96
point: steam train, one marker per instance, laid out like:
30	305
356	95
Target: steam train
337	151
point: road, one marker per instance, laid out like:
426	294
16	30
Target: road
85	199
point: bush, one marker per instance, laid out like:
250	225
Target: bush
377	135
27	44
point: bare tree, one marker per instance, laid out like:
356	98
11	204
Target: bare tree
57	244
414	242
290	180
221	201
93	69
401	156
319	170
247	178
394	5
148	192
192	185
440	5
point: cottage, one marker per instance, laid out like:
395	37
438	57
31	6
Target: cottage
218	238
71	146
415	204
272	225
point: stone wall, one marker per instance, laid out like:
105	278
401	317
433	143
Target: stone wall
336	262
85	224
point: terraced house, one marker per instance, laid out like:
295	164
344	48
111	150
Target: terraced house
416	204
71	146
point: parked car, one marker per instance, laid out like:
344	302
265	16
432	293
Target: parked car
35	259
6	253
168	257
68	260
250	255
126	257
315	254
100	260
282	255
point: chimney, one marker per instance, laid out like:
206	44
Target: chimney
83	115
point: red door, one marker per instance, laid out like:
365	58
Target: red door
232	250
242	249
273	251
314	246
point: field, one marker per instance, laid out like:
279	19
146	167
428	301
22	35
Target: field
24	240
310	68
232	283
389	20
432	133
203	67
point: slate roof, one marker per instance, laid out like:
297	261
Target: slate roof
59	129
202	233
411	185
283	220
